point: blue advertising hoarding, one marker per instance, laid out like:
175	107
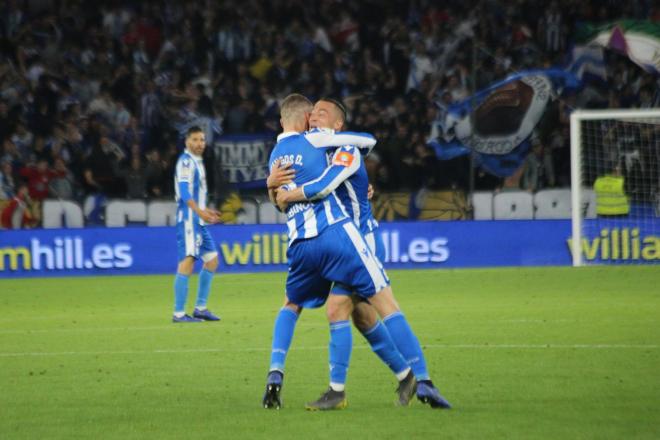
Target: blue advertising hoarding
257	248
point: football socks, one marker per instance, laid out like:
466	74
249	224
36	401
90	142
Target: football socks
407	343
285	324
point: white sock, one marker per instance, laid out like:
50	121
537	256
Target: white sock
200	308
179	314
402	375
337	386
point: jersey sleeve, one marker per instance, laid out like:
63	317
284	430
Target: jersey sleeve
324	138
345	162
185	173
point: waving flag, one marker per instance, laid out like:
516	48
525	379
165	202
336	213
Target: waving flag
588	63
496	122
638	39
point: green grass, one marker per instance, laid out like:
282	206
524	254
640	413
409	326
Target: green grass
556	353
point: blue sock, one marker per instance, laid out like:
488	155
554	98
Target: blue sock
407	343
341	344
180	292
285	324
382	344
204	287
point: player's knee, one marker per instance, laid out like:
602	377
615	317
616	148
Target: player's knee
384	302
291	306
339	308
186	266
364	317
211	265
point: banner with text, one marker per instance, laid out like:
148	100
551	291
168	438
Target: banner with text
243	159
257	248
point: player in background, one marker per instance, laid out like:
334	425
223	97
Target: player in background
285	322
353	193
193	239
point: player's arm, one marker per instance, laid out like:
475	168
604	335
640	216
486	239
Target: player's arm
324	138
279	175
208	215
345	162
184	174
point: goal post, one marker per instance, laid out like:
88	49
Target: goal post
611	223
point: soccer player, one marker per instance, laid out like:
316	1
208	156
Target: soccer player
193	239
329	113
321	252
375	334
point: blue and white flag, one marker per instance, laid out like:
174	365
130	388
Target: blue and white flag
587	63
496	122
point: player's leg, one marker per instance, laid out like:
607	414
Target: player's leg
304	289
209	256
187	253
408	344
338	309
374	279
285	325
184	269
366	320
374	331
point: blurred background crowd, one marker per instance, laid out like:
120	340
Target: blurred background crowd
93	95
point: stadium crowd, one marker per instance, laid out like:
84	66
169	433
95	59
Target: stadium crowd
93	95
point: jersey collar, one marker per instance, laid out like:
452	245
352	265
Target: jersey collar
194	156
286	134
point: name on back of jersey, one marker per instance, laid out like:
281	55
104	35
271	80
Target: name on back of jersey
290	159
296	208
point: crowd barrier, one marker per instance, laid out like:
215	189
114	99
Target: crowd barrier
257	248
423	205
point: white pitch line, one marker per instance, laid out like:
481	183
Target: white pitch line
127	329
311	348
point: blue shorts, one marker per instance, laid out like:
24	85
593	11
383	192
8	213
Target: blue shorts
194	240
340	255
375	242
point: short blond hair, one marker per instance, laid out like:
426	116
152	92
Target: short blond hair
294	107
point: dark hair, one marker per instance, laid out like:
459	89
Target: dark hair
192	130
339	105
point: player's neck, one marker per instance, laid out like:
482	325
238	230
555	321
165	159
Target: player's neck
298	128
196	156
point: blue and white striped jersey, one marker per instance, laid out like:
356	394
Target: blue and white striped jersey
351	189
189	183
326	137
307	154
352	192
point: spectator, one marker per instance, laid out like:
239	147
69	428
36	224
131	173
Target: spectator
149	70
155	174
538	170
7	181
135	179
17	213
63	185
98	170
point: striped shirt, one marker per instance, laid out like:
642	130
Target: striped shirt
189	183
307	154
351	184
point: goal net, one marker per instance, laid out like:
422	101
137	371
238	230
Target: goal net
615	180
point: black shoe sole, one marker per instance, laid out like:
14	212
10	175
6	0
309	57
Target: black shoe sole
272	397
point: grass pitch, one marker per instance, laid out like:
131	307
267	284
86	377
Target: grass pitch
555	353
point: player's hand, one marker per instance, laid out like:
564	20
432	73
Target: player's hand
210	216
282	199
370	191
280	175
